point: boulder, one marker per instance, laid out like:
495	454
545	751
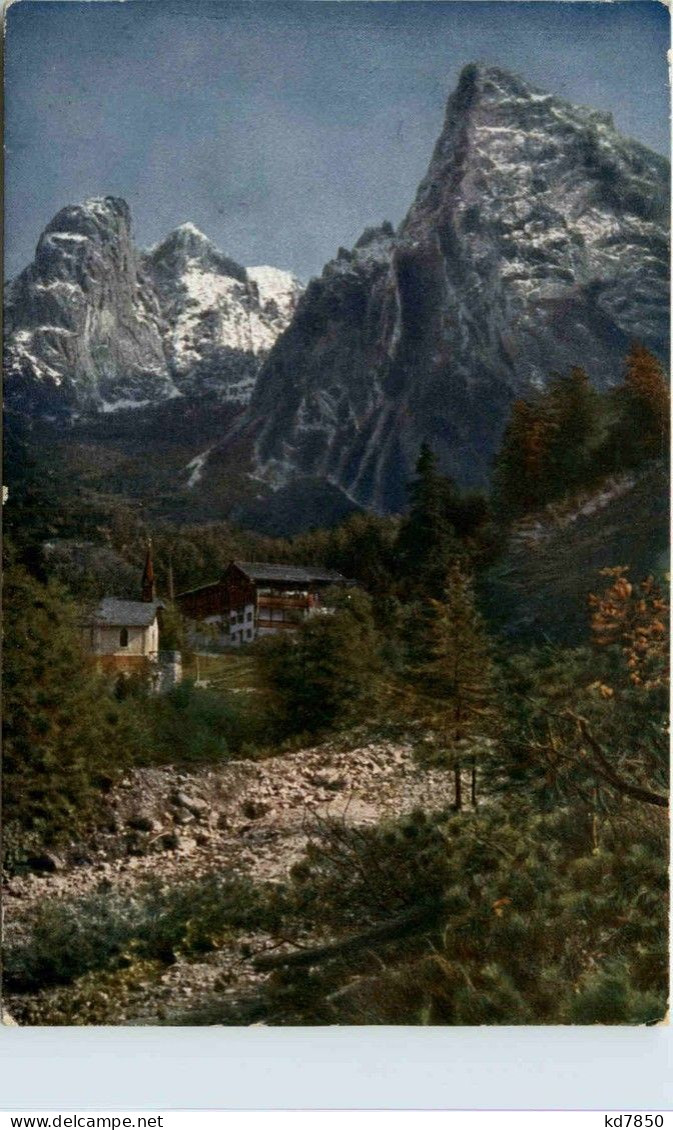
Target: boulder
142	822
46	862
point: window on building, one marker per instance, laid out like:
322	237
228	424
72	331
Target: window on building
249	633
248	614
124	637
240	617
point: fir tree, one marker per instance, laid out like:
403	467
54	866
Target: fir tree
427	542
519	478
60	725
573	409
325	674
457	676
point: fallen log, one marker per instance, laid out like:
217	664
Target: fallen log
396	928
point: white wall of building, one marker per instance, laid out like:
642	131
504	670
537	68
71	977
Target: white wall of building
106	640
242	625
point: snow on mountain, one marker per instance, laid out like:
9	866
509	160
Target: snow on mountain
278	291
222	319
538	240
82	326
93	325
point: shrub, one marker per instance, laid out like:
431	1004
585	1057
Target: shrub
61	941
62	728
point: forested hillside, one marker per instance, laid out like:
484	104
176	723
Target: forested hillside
443	803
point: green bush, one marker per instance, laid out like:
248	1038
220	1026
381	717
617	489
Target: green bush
62	729
61	941
191	725
68	939
532	924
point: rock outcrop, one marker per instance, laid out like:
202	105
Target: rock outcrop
537	240
83	326
221	319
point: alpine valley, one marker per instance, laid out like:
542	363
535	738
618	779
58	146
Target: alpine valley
335	617
538	240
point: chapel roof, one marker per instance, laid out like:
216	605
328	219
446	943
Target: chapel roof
127	613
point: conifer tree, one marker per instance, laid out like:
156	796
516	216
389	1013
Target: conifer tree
457	675
519	479
325	674
426	541
573	409
61	728
642	428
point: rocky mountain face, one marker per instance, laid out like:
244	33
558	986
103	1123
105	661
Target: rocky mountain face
538	240
221	319
93	325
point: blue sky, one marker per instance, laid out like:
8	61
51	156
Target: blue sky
283	129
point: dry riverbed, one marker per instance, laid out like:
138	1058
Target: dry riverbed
244	818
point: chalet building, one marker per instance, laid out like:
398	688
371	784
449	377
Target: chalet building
254	599
123	635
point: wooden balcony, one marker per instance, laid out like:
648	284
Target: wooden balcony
264	602
278	625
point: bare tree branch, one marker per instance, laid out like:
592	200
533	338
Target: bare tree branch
608	773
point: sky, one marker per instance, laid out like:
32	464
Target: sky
282	130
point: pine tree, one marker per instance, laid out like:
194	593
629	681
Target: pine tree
325	674
521	466
427	542
549	446
457	675
573	409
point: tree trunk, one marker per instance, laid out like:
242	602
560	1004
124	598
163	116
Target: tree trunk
458	798
473	783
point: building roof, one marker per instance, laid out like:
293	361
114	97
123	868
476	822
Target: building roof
127	613
262	571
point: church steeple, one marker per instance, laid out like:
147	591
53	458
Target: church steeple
149	588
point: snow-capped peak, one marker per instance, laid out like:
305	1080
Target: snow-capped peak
189	228
274	285
217	309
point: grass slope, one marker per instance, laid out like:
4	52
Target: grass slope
539	588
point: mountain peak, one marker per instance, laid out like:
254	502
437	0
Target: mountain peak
106	206
92	325
186	246
480	84
537	241
188	228
189	235
88	221
186	238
